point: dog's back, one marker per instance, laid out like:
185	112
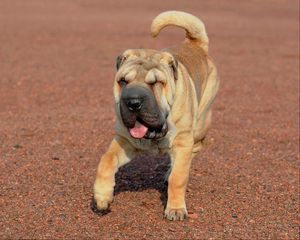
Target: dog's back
194	58
193	55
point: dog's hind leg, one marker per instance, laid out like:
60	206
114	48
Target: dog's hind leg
199	137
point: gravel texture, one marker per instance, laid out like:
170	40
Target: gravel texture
57	118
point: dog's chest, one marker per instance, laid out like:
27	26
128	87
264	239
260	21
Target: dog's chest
151	147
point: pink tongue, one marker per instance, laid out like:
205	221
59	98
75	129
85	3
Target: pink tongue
139	130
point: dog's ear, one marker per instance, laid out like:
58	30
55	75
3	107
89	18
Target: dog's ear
120	61
174	66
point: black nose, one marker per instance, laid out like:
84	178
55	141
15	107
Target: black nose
134	104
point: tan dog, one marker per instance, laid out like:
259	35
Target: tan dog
163	105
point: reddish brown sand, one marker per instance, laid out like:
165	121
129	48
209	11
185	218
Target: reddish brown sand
57	118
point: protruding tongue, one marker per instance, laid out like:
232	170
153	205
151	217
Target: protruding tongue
139	130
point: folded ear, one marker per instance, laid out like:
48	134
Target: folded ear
174	66
120	61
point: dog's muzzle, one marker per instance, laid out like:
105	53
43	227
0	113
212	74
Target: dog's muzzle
141	114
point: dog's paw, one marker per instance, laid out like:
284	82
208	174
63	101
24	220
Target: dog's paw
100	212
176	214
100	205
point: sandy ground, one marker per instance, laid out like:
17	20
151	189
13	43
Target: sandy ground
57	63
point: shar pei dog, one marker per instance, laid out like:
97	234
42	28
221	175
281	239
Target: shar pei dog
163	101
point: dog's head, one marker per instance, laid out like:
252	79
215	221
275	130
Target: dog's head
144	90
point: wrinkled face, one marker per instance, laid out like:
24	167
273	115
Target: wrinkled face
143	90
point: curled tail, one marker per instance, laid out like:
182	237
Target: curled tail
194	27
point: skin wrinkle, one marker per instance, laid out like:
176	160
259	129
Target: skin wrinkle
141	72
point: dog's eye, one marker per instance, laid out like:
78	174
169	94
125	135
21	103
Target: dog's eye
123	82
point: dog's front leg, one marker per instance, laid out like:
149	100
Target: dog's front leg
181	157
118	154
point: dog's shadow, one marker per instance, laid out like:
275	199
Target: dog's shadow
144	172
141	173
